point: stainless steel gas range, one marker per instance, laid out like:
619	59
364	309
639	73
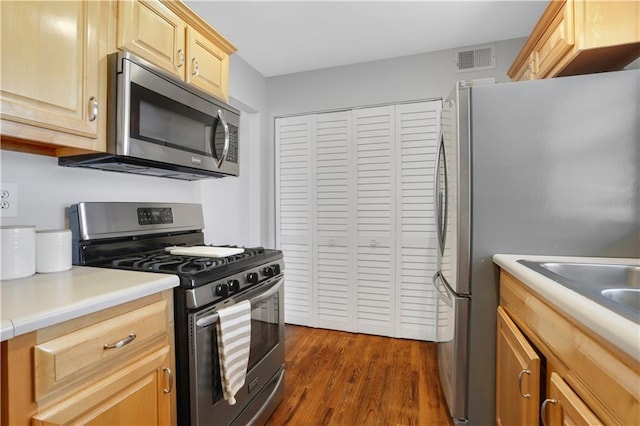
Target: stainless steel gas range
139	236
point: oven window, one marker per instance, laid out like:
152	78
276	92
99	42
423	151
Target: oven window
158	119
264	329
264	337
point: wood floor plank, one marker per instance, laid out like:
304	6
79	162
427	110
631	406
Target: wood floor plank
337	378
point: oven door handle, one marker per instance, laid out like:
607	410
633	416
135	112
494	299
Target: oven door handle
213	318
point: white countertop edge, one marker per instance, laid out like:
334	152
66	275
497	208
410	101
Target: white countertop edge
28	323
6	330
616	329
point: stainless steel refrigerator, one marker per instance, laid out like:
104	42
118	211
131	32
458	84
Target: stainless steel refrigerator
549	167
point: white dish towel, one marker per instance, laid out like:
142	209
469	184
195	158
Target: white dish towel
234	343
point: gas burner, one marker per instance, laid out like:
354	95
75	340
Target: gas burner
195	265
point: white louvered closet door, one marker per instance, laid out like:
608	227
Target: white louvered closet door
416	135
295	215
333	224
373	133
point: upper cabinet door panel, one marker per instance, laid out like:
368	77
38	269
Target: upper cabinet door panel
50	65
152	32
207	65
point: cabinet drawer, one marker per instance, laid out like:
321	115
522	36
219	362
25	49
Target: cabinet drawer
78	354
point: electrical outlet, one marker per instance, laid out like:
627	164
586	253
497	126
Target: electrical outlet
8	199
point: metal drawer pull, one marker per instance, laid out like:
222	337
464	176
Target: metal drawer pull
93	108
543	407
522	373
194	63
170	374
181	56
120	343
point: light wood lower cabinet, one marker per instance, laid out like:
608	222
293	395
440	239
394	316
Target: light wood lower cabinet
114	367
518	371
564	407
551	366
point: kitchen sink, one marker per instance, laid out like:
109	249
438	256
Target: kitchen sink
616	287
627	296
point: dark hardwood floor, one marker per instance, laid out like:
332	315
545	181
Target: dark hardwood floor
339	378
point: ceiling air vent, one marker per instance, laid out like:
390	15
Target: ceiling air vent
480	58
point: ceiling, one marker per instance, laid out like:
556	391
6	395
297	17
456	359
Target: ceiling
283	37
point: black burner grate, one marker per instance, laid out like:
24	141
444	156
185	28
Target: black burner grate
187	265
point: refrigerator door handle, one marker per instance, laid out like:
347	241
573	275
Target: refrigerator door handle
441	199
445	296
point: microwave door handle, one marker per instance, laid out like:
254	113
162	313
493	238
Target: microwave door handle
225	150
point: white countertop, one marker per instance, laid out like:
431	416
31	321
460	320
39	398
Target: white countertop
41	300
616	329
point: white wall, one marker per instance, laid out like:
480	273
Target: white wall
45	189
234	208
423	76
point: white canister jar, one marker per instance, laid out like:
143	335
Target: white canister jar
18	255
53	250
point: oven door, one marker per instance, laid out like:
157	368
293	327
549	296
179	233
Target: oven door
264	384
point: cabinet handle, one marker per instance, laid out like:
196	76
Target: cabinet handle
543	407
93	108
522	373
373	243
170	374
181	56
120	343
194	63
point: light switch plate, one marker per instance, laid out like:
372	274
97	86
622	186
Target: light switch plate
8	199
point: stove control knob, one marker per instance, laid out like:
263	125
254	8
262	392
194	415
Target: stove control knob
222	290
253	277
234	286
276	269
267	271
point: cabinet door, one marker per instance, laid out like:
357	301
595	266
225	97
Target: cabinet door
294	213
373	151
138	394
51	66
207	65
416	129
154	33
518	376
333	193
565	407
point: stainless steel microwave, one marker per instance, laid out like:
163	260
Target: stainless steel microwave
160	126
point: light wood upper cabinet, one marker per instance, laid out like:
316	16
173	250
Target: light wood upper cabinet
151	31
169	35
53	84
518	376
578	37
207	65
113	367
